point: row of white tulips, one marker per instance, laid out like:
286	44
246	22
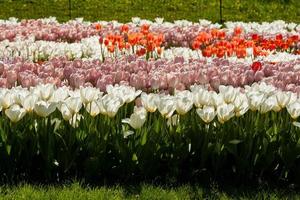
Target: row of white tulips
228	103
35	50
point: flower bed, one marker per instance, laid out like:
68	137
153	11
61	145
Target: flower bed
122	102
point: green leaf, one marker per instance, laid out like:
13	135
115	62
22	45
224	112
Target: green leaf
134	157
156	126
8	149
144	138
298	143
235	141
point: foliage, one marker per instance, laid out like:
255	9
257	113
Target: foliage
251	147
249	10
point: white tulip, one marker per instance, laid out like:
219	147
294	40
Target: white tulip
127	93
29	102
92	108
184	105
266	89
74	93
7	99
269	104
228	93
255	100
60	94
45	91
159	20
217	99
225	112
166	106
241	104
294	109
136	20
15	113
43	108
110	104
149	101
65	111
184	102
195	88
137	118
207	113
202	97
283	98
89	94
293	99
20	95
74	104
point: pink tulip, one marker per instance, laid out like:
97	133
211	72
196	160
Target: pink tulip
12	77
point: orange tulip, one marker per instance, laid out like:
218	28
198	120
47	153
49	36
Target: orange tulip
124	28
98	27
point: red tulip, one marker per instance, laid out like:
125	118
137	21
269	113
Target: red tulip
256	66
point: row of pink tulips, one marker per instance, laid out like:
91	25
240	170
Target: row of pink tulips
149	75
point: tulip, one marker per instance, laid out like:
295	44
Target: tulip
29	101
93	108
6	99
217	99
12	77
207	113
20	95
256	66
255	100
201	97
269	104
65	111
74	104
44	91
60	94
137	119
166	106
184	102
149	101
225	112
15	113
89	94
241	104
294	109
44	109
283	98
127	93
109	105
228	93
267	89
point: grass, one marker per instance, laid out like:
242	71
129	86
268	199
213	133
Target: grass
144	191
123	10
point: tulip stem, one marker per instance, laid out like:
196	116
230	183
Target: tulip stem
70	9
221	14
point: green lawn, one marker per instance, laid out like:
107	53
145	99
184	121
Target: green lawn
123	10
76	191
